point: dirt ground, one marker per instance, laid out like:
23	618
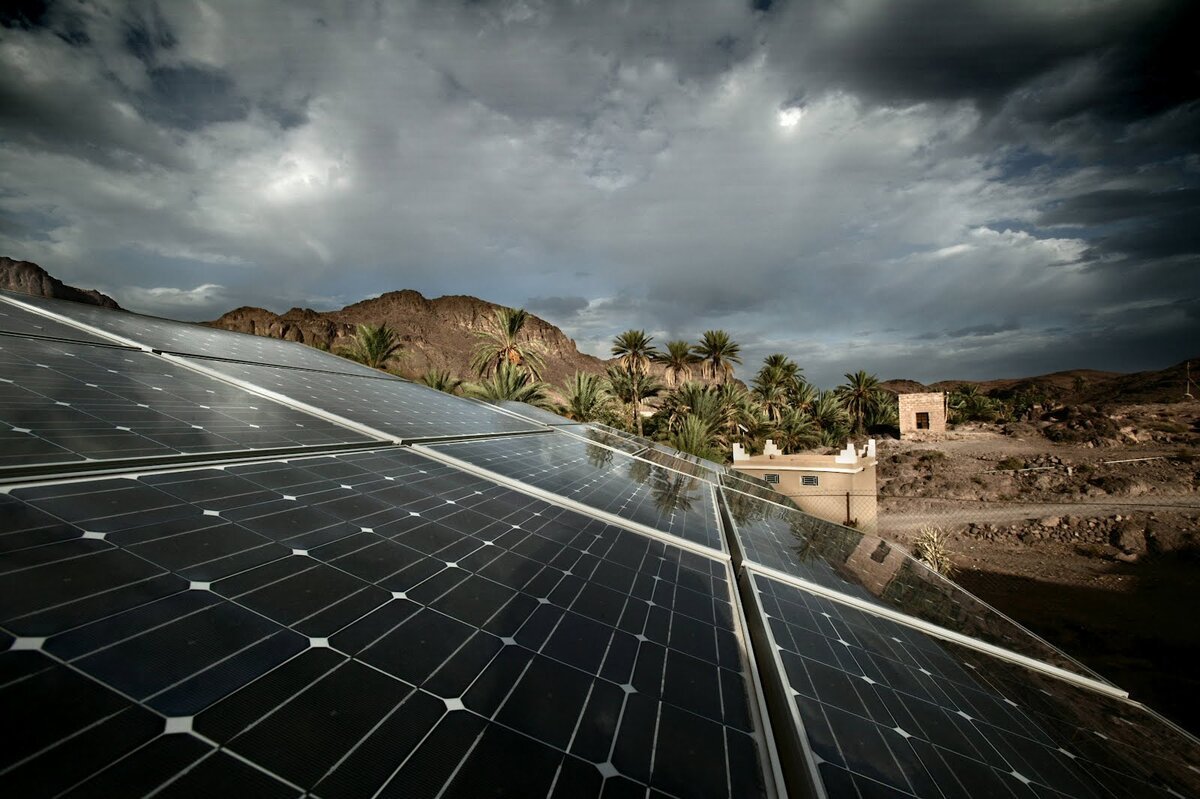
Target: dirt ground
1092	542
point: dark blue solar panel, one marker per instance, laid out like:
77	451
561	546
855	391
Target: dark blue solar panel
360	625
870	569
887	710
181	337
63	402
396	407
534	414
22	322
603	479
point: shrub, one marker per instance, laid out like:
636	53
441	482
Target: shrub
1011	464
931	548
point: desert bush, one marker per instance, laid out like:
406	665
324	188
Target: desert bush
932	549
1011	464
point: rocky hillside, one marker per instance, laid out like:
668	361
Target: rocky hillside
437	333
29	278
1079	386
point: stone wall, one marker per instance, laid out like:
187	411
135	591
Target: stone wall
912	404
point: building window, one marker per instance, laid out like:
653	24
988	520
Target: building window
808	480
771	478
922	421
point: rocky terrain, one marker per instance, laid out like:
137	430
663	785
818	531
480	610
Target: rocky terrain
437	333
1091	540
26	277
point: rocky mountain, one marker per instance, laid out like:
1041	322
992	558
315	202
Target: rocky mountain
26	277
1075	386
437	333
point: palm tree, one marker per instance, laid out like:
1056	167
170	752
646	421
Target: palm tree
804	395
510	382
677	362
442	380
588	396
784	369
695	437
634	351
632	388
830	418
718	353
501	344
796	431
373	345
772	396
858	394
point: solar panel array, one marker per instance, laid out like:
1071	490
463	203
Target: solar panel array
267	592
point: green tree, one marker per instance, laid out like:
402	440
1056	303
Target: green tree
510	382
502	343
588	396
859	394
634	351
695	436
442	380
796	431
373	345
830	418
677	362
718	353
633	388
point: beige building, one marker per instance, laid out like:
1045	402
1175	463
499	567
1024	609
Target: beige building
839	488
922	415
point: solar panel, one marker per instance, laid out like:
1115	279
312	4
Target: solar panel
534	414
868	569
601	479
398	408
181	337
22	322
373	624
600	435
882	709
62	402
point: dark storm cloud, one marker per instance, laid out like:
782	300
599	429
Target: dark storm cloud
925	189
557	308
189	97
982	50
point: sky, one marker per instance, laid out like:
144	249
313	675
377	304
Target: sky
927	189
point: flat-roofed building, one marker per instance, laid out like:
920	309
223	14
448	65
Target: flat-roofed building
839	488
922	415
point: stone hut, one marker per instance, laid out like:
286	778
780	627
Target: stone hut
922	415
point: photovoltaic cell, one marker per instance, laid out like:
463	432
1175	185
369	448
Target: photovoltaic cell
63	402
367	624
184	338
889	711
22	322
600	478
534	414
397	407
600	435
867	568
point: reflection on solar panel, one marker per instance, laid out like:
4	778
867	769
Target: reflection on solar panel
527	411
600	435
22	322
62	402
601	479
886	710
372	624
179	337
396	407
537	611
867	568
